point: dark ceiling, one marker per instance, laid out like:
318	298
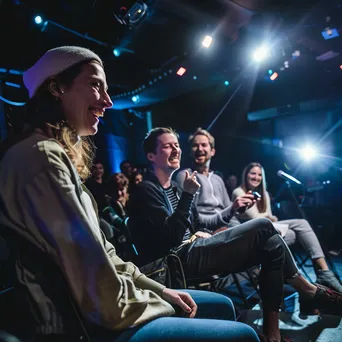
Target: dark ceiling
170	36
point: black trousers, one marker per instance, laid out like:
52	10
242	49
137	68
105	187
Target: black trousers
255	242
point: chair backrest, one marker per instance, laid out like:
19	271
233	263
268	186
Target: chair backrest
9	320
55	286
4	265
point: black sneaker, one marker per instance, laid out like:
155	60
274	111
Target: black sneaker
327	278
325	301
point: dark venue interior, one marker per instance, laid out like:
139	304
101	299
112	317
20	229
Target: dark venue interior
268	88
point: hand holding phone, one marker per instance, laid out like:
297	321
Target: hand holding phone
256	195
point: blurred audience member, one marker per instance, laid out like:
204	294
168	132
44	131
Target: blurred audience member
96	185
118	192
137	177
116	214
127	168
231	184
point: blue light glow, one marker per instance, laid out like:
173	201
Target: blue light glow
38	19
14	85
116	52
18	104
135	98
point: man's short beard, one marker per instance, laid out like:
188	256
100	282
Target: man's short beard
206	163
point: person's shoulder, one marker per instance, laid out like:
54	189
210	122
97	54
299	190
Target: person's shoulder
53	154
146	186
183	170
36	152
217	178
145	192
238	192
146	183
181	174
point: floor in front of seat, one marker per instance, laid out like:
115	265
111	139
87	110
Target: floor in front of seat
324	328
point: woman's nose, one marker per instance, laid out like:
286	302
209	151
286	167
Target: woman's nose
107	100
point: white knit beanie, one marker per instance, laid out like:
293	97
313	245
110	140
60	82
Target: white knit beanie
53	62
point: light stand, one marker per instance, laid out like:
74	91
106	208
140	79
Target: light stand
303	216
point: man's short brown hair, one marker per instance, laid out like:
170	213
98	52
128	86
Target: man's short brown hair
150	141
201	131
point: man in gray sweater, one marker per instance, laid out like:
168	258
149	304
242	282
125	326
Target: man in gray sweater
212	201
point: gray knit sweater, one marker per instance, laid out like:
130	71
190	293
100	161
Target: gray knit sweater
212	201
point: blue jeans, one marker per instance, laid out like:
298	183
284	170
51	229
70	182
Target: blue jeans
214	322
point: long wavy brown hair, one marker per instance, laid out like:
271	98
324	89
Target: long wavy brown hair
261	189
44	111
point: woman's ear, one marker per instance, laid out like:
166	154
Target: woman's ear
54	88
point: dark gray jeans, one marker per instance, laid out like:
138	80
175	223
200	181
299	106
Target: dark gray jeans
255	242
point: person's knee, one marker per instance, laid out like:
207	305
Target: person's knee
244	333
305	223
276	247
265	224
213	305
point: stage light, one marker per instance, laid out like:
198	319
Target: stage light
207	41
38	19
274	76
330	33
136	98
133	16
341	66
295	54
226	83
308	153
195	77
181	71
116	52
270	71
261	53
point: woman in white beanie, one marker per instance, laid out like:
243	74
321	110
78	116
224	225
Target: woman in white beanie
47	213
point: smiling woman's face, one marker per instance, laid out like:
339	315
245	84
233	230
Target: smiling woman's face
254	177
86	99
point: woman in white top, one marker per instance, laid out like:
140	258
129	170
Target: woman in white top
253	179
